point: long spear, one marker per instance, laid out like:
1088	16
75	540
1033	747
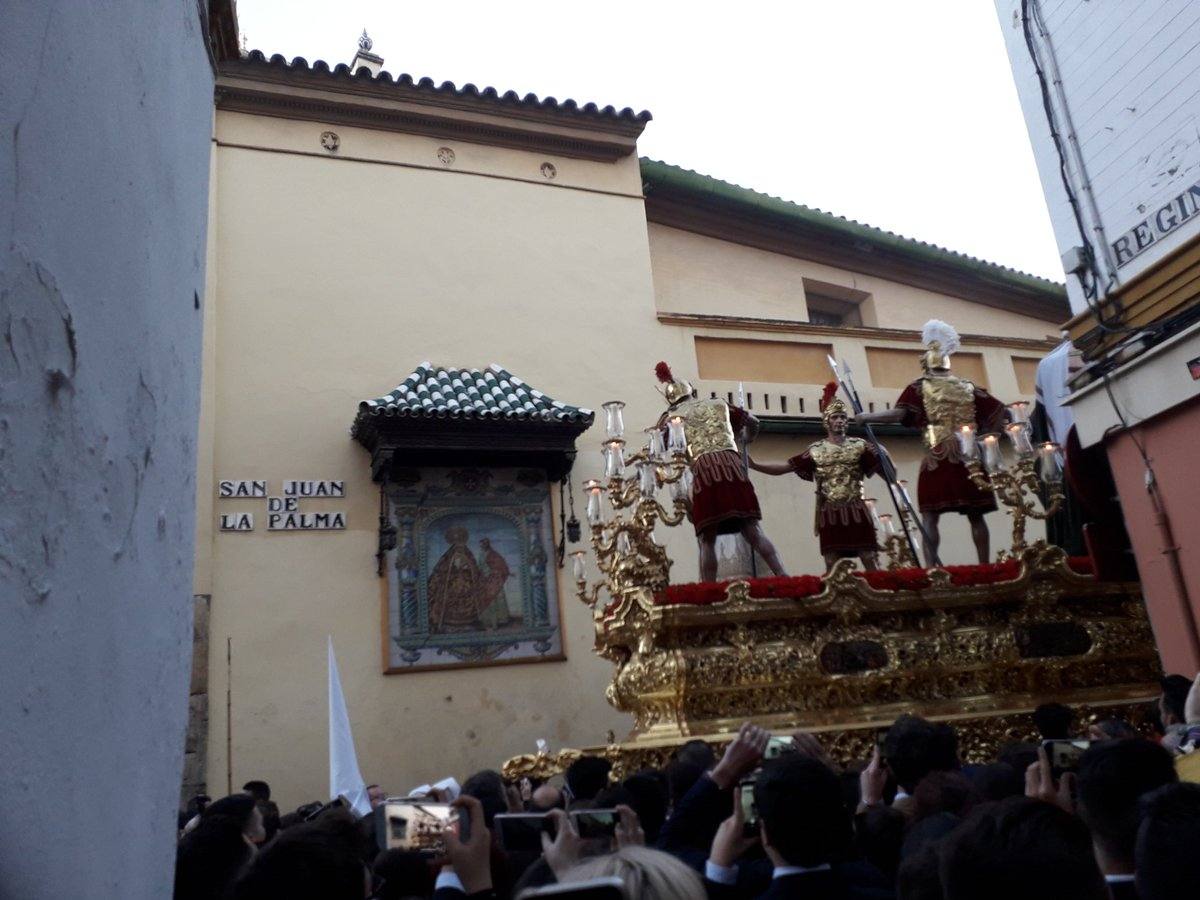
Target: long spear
887	469
746	470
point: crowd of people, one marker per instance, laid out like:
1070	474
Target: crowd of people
1119	818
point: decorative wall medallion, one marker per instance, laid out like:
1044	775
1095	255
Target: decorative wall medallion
549	171
330	141
446	155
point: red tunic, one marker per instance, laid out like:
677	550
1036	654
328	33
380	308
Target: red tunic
842	527
722	496
945	485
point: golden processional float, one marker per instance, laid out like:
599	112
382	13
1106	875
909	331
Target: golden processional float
844	654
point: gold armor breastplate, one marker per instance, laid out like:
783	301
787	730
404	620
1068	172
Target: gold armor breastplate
706	425
949	404
838	469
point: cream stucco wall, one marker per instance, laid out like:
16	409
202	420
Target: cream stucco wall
330	278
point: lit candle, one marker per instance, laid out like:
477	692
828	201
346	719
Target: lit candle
1019	412
578	561
595	511
676	438
647	480
1049	464
614	418
1018	433
614	458
889	527
966	442
992	461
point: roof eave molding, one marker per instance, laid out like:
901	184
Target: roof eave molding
300	92
680	199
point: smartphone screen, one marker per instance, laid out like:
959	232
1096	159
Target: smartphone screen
1064	755
777	746
522	832
417	825
749	809
595	823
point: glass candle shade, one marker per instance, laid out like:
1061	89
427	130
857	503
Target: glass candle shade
870	504
614	458
614	418
681	489
656	447
966	442
1049	463
1019	412
595	509
647	480
992	460
676	438
579	564
624	546
1018	433
885	521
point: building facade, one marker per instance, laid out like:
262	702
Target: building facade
1109	92
362	225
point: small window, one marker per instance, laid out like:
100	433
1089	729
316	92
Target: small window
823	310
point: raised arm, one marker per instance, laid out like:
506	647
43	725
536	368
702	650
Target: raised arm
895	414
783	468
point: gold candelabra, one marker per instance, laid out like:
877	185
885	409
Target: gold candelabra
626	552
1015	484
896	540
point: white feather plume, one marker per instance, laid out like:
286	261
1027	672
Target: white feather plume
943	333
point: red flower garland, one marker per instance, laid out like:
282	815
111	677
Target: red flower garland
801	586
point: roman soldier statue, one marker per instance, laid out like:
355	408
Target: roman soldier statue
939	404
837	465
723	500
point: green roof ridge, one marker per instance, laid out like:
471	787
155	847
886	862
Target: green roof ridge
654	170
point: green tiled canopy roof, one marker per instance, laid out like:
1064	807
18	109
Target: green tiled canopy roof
494	393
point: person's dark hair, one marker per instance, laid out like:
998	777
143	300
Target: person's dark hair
404	873
914	747
1115	729
879	834
487	786
997	781
698	753
587	776
1020	848
649	801
949	792
681	776
1167	865
319	860
209	857
1111	779
259	790
1175	690
918	878
236	806
799	801
1020	755
1053	721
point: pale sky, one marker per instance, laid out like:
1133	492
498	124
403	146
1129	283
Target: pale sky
900	115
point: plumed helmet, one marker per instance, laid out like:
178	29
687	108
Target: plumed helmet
831	404
939	340
673	390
